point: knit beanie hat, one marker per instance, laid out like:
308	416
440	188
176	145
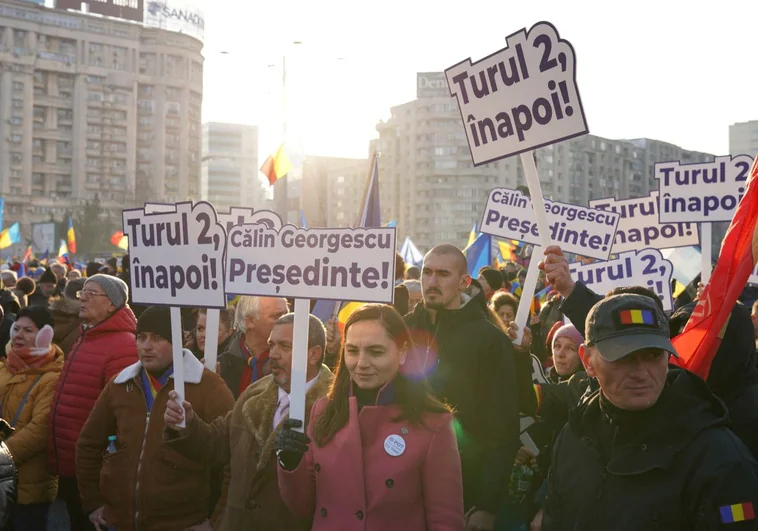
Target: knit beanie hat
493	277
48	276
570	332
93	268
115	289
155	320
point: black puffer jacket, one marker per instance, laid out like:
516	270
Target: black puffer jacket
470	363
8	485
672	467
734	375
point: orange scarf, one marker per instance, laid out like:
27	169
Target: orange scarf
20	360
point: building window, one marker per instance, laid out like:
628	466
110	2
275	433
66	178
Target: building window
18	104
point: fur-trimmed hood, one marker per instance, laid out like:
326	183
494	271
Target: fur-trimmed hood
65	307
260	400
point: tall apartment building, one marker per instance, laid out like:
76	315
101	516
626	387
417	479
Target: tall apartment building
429	184
332	190
92	107
743	138
230	174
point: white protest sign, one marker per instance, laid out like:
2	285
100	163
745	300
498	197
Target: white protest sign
645	268
176	256
248	216
577	229
639	227
332	264
703	192
753	278
521	97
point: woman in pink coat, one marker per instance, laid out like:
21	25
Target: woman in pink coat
384	454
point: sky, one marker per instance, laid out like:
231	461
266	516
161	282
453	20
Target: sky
663	69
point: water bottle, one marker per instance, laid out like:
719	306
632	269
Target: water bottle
522	477
111	445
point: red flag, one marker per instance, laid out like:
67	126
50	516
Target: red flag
698	343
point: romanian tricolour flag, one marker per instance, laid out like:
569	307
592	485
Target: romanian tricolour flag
28	254
63	250
120	240
698	343
277	165
71	236
739	512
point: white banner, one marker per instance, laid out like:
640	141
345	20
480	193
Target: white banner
645	268
521	97
702	192
336	264
639	227
582	230
176	256
248	216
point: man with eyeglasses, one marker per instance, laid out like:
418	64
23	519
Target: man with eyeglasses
106	346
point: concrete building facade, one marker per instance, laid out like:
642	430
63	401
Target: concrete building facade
430	186
743	138
230	175
91	108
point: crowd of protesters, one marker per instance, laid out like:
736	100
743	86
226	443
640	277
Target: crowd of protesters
427	414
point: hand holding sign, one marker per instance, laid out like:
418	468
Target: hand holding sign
521	97
557	271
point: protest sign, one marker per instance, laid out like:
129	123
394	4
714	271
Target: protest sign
176	257
639	227
521	97
243	216
333	264
176	254
645	268
582	230
753	278
702	192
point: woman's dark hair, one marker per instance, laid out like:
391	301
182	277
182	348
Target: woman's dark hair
413	397
399	266
224	316
39	315
502	298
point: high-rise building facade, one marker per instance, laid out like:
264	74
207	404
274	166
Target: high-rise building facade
332	190
94	108
429	184
743	138
229	173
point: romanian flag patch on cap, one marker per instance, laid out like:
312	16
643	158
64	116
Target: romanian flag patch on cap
740	512
637	317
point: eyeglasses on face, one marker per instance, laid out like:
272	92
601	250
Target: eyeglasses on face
89	293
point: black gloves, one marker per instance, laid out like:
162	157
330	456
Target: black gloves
291	445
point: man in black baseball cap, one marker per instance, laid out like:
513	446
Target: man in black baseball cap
623	331
651	434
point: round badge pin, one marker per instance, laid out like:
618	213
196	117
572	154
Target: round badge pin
394	445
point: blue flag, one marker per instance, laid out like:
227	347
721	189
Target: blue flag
370	215
478	254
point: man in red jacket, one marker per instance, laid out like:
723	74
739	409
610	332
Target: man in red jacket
106	346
